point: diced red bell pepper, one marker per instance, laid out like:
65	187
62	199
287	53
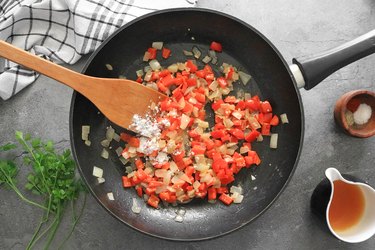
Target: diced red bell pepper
238	133
222	82
125	136
191	66
152	52
216	105
126	181
165	53
226	199
218	134
139	164
191	82
212	194
134	142
266	129
198	150
153	201
230	99
252	136
265	107
216	46
274	121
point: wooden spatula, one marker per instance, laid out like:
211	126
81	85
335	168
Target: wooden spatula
117	99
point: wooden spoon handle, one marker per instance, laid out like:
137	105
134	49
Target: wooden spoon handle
45	67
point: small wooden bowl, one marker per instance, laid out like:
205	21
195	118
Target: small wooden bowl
365	130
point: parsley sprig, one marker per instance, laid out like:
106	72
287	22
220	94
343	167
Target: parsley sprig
52	177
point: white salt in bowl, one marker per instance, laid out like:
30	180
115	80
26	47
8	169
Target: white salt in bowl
344	117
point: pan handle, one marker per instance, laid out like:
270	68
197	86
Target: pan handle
309	71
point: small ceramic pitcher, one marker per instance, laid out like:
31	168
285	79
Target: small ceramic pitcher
322	201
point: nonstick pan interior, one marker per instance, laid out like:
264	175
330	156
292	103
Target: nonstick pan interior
245	48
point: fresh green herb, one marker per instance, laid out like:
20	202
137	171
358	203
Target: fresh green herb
52	177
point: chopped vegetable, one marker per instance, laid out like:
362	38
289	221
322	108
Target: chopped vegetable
245	78
157	45
104	154
97	172
109	66
101	180
135	207
110	196
154	64
166	53
284	118
216	46
196	52
85	132
176	156
273	140
188	53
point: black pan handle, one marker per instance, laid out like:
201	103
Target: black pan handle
316	68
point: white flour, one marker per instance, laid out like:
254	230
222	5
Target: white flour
150	131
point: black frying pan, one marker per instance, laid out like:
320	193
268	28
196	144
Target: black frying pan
272	79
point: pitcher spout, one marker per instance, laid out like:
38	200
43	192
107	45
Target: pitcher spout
333	174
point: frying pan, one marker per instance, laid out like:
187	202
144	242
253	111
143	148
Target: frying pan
272	79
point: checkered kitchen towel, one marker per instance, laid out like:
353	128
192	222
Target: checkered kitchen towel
64	30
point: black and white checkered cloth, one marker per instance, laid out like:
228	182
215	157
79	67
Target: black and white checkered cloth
64	30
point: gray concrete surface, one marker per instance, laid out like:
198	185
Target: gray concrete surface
296	28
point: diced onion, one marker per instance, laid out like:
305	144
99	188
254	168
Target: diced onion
105	143
184	121
104	154
101	180
128	169
139	73
245	78
97	172
116	137
109	133
148	76
197	53
119	151
154	64
85	132
236	189
179	218
109	66
135	207
196	185
260	138
110	196
273	140
206	59
284	118
212	53
123	160
188	53
88	143
238	199
157	45
181	212
173	68
253	178
146	56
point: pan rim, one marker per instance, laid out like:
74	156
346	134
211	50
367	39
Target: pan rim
279	55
